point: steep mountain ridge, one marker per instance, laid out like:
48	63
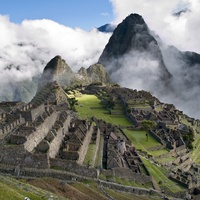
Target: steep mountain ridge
58	70
132	35
136	57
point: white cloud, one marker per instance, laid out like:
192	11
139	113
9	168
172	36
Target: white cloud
25	49
105	14
179	31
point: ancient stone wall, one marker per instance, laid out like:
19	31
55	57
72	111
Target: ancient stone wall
12	155
41	131
32	113
56	142
156	148
84	147
8	127
74	167
127	174
156	137
96	148
130	175
39	161
129	189
9	156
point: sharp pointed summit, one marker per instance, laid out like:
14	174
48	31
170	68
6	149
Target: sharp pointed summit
57	70
132	36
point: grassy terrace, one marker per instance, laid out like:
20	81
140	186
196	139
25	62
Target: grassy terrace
90	154
90	105
11	189
195	152
159	175
139	139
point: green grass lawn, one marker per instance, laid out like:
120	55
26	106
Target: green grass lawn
98	162
196	149
165	160
159	175
86	102
139	139
90	154
12	189
90	189
158	152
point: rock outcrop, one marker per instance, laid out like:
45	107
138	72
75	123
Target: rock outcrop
132	35
57	70
95	73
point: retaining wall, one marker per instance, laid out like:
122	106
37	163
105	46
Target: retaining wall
74	167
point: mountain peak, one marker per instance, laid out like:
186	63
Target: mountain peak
56	70
136	18
126	36
56	65
132	38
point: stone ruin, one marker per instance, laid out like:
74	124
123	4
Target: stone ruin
45	134
141	105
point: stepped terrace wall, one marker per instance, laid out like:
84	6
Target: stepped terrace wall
84	147
8	127
97	146
32	137
127	174
30	113
16	155
56	142
41	131
74	167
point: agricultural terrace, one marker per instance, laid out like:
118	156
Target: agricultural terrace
159	174
89	106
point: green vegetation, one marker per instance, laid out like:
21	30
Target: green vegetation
90	154
72	102
12	189
123	181
159	175
148	124
89	106
158	152
127	196
189	138
139	139
98	161
90	189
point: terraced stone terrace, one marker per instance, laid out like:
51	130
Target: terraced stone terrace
100	137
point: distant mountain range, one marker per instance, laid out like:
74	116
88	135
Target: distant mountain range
107	28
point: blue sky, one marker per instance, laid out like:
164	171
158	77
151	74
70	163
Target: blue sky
73	13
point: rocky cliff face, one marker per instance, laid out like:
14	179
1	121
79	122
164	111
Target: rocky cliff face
58	70
95	73
137	58
132	36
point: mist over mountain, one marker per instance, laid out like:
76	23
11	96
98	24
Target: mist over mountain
137	58
131	50
107	28
58	70
26	48
134	57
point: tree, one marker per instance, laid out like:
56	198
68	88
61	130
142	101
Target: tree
148	124
72	102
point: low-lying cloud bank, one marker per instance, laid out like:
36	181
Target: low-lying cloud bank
177	23
25	49
180	30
